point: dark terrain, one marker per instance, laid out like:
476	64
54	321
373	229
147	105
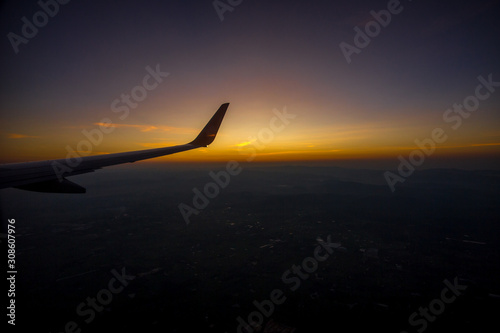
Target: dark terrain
396	249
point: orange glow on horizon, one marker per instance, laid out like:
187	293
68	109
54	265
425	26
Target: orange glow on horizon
247	134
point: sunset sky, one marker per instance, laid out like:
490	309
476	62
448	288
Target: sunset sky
263	57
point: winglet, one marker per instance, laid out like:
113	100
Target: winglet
207	135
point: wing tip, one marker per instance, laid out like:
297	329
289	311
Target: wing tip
208	133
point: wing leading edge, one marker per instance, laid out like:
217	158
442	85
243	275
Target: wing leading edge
49	176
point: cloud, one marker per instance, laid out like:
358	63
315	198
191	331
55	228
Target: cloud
444	147
243	144
483	144
148	128
158	144
300	152
21	136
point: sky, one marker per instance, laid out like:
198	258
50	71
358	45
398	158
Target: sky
295	93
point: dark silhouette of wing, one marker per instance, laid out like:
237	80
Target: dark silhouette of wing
49	176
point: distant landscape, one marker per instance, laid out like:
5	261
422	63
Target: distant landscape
392	255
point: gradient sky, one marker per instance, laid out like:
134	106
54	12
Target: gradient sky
264	55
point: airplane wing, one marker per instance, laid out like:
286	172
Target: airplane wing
49	176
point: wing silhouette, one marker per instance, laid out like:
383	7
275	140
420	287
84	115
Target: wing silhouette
50	175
